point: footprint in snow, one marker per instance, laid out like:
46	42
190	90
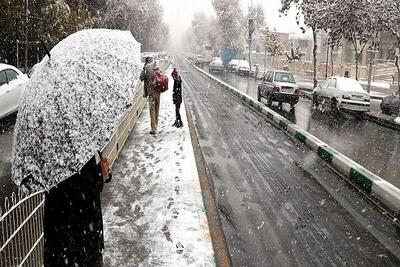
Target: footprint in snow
179	248
177	189
175	214
170	202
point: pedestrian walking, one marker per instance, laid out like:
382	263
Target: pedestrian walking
177	98
147	76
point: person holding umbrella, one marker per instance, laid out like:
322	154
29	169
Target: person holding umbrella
69	112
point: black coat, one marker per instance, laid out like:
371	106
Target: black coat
177	91
73	224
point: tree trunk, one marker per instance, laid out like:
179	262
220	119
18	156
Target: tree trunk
398	65
273	62
315	56
398	72
332	65
265	58
357	66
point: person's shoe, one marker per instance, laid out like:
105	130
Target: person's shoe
179	124
175	124
153	132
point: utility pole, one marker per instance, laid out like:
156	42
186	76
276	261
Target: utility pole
26	34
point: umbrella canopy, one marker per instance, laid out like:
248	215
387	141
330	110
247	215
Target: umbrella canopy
73	104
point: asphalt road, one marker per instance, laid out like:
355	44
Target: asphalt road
374	146
268	190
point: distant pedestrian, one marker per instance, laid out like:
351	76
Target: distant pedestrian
147	76
177	98
174	73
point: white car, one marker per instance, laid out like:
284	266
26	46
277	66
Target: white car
232	65
12	86
216	65
243	68
342	93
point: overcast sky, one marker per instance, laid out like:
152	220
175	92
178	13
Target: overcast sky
179	13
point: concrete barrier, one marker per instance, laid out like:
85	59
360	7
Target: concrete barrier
367	181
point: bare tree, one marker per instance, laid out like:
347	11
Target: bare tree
389	11
230	17
312	14
142	17
355	21
271	43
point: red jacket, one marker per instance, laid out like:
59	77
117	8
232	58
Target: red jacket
174	73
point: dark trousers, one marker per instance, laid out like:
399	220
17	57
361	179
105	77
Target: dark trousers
178	114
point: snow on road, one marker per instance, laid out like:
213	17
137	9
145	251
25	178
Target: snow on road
153	209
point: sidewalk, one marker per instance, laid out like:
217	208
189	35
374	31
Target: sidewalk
153	209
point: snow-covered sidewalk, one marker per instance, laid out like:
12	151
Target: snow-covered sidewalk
153	209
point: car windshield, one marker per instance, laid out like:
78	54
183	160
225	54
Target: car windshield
284	77
348	85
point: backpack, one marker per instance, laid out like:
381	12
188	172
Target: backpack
160	82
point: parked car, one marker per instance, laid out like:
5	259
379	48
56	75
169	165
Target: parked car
12	86
243	68
342	93
391	104
199	61
278	86
232	65
216	65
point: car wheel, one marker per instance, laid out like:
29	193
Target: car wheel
334	105
269	99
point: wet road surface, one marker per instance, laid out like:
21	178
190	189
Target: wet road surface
268	189
373	146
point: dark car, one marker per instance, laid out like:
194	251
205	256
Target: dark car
278	86
391	104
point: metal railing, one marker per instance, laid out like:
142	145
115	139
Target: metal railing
21	230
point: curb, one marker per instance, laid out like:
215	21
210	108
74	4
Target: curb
367	181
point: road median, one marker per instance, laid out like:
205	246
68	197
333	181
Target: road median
365	180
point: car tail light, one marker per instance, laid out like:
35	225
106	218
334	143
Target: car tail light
275	89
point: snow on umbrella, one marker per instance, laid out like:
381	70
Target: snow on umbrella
72	105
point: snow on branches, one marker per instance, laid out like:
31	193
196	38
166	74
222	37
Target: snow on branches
230	17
